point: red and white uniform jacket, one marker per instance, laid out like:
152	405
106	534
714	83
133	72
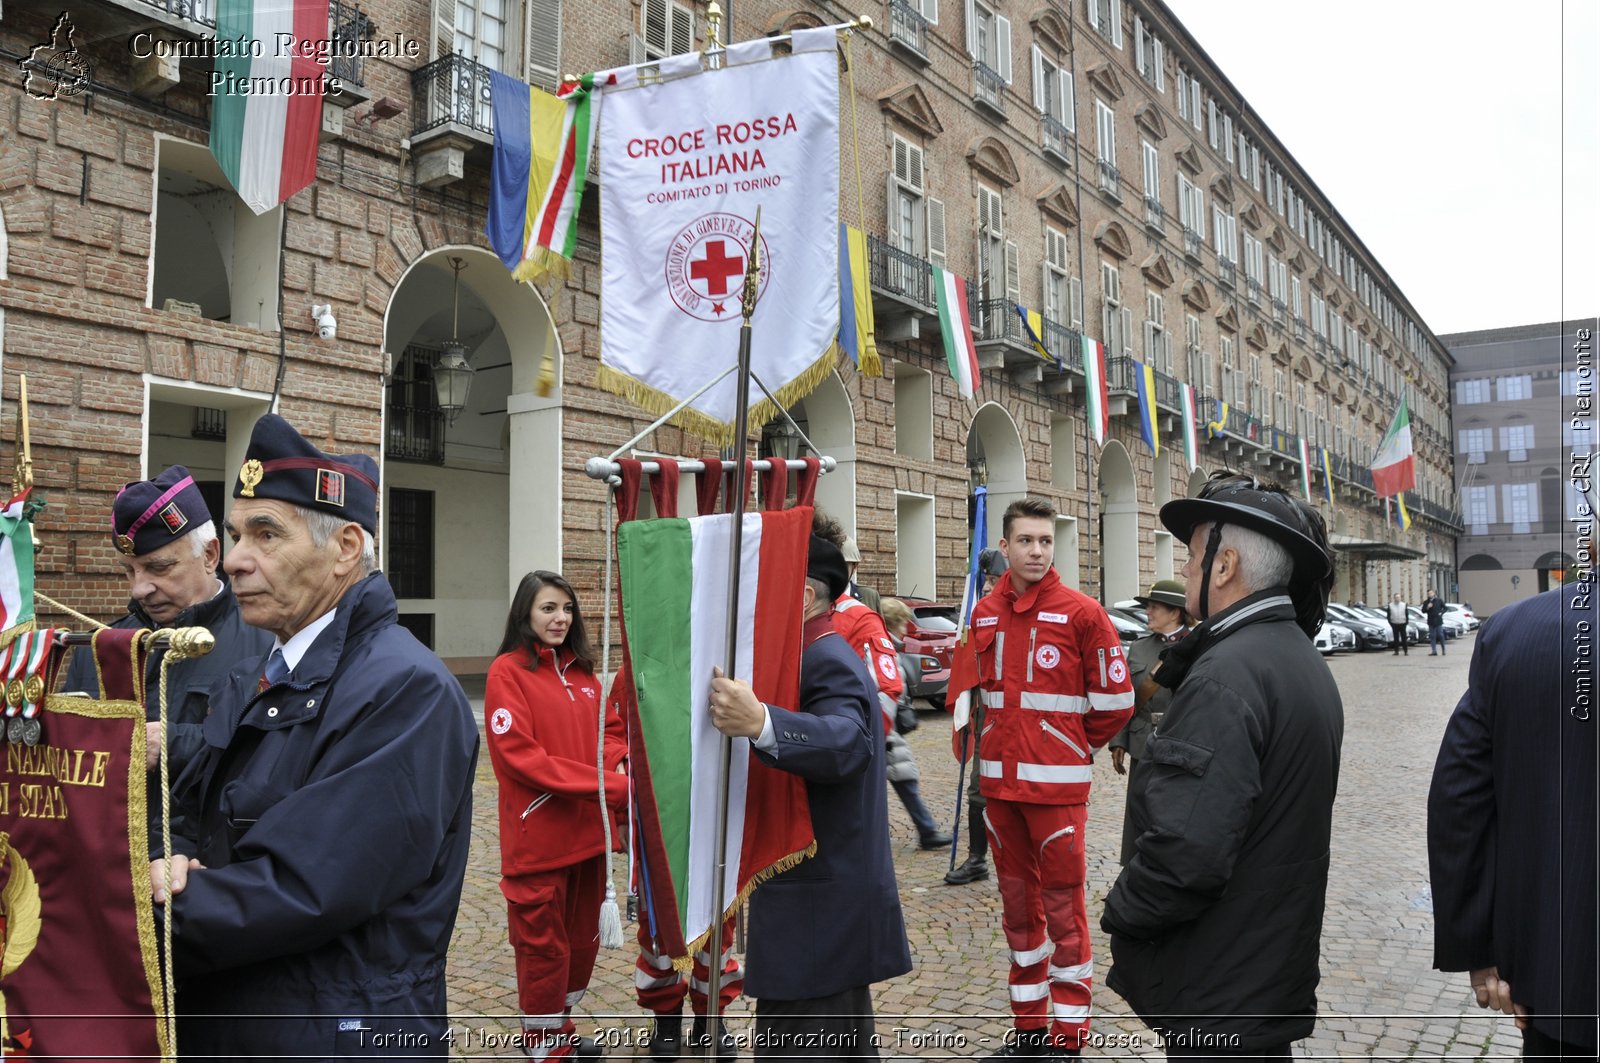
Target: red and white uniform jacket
863	629
542	727
1055	686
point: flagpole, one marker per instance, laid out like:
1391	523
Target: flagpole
741	429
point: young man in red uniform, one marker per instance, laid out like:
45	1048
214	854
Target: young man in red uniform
1054	684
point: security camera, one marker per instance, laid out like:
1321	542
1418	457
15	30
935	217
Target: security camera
327	327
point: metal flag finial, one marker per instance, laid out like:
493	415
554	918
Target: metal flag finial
752	271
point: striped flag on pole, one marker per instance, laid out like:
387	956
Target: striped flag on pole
1191	428
1305	468
266	109
955	326
1094	384
1327	476
675	613
1394	467
1145	383
1402	516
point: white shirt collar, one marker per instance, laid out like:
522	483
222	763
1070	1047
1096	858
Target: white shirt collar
301	641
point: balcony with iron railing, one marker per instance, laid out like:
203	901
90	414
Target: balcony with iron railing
1299	329
1064	344
989	90
1252	289
1110	180
349	26
900	274
1056	139
908	30
1193	244
451	91
1280	310
1155	215
1120	373
1227	271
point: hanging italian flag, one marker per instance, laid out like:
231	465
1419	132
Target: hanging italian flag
16	568
266	104
1305	468
1191	428
1094	383
675	615
955	326
1394	469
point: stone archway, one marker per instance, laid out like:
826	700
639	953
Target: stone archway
1119	525
487	487
830	421
995	441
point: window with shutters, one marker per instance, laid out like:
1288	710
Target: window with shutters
1516	440
998	263
1057	291
1479	505
1105	17
1191	350
1157	351
1148	55
1472	391
1226	233
1521	505
1232	382
907	221
1111	310
1577	434
1227	136
1075	302
1053	90
989	39
1476	444
480	35
667	28
1189	99
1282	416
1213	125
1258	392
1253	269
1105	126
1192	215
1154	214
544	43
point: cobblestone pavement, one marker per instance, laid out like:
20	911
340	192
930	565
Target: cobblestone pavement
1379	998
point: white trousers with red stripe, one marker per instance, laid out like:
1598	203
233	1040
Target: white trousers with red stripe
660	988
1039	859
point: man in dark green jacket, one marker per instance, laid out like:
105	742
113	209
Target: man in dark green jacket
1216	919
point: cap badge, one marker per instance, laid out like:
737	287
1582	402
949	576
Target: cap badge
125	544
330	487
173	518
250	474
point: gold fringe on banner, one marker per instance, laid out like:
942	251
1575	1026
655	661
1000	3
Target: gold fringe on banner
543	265
701	941
658	402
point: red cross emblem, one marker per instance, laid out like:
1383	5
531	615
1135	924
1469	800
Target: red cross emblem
706	262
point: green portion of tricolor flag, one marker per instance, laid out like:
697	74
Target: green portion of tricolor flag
1094	384
675	612
955	328
16	568
266	101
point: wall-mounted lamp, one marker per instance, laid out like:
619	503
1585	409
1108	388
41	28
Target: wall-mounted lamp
385	107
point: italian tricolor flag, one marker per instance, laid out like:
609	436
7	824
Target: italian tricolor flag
16	567
266	108
955	325
675	612
1394	469
1191	428
1094	389
1305	468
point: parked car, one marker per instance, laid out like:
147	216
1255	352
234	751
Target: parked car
1132	607
1452	628
1371	634
930	642
1461	612
1332	637
1128	629
1415	633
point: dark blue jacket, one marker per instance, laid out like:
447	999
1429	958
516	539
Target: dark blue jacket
1511	813
332	813
832	922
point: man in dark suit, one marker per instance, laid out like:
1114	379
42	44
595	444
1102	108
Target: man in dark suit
822	932
1511	823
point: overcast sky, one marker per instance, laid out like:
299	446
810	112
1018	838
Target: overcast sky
1441	130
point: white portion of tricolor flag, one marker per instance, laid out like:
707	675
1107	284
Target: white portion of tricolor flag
1191	428
1394	468
1094	383
1305	468
955	327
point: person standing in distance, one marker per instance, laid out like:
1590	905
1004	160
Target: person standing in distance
542	717
1054	684
852	557
321	835
1511	825
1216	919
1433	609
1399	616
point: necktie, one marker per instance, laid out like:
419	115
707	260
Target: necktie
277	671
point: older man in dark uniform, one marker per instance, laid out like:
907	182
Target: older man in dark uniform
323	835
822	932
167	546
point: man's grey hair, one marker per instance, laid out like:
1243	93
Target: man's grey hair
324	526
1263	563
203	535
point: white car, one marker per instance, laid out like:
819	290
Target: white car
1332	637
1456	611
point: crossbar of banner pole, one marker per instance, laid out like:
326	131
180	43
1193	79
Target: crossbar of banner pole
602	468
860	22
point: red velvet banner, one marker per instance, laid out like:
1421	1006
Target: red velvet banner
79	972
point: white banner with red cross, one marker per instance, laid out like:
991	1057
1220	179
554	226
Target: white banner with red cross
684	166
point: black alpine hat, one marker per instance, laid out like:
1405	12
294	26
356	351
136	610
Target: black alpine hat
1267	508
148	514
280	463
825	564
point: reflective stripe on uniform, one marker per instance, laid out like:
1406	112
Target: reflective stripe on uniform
991	769
1032	991
645	981
1111	702
994	699
1041	702
1076	973
543	1022
1030	957
574	997
1069	1012
999	654
1061	773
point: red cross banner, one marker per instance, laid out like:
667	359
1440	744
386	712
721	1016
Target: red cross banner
685	163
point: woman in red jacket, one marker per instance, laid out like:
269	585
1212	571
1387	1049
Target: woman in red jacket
542	714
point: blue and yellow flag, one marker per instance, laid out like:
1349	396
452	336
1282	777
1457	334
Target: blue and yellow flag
1327	475
857	330
1217	427
1402	517
1033	326
1144	382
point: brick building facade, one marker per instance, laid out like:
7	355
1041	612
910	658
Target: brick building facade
1084	160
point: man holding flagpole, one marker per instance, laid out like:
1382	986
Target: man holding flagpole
1054	682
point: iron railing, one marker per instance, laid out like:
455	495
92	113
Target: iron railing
1227	271
1252	289
1155	215
202	11
416	424
1110	179
450	89
1192	243
989	88
996	319
349	27
900	273
1119	375
908	27
1064	344
1055	137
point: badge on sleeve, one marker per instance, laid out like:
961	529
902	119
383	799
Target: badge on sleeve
500	722
1118	671
886	665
